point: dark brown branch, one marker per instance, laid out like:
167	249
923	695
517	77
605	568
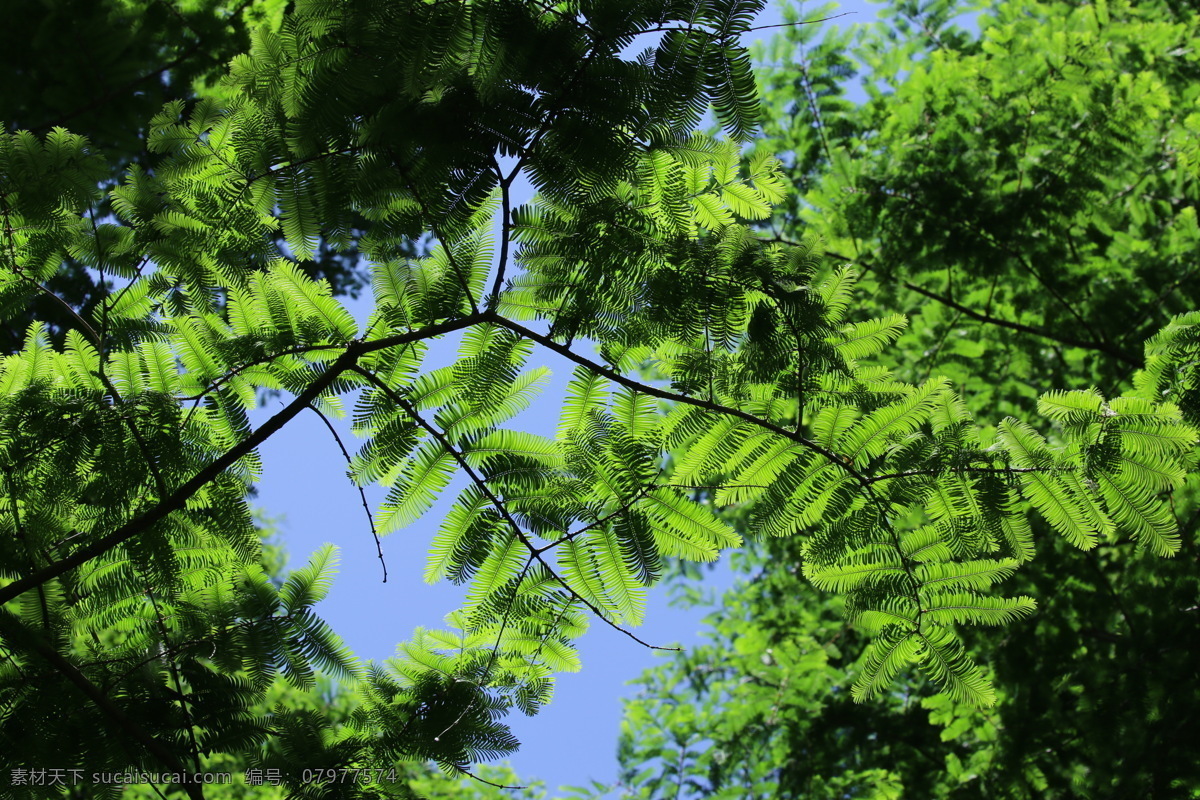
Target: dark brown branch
1102	347
12	255
505	234
662	394
992	470
601	520
216	383
663	28
106	98
470	774
180	496
487	669
462	276
173	668
844	463
441	439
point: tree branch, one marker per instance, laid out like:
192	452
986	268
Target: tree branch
505	234
662	394
180	496
361	494
1124	356
534	552
1102	347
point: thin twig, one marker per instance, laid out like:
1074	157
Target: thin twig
361	493
981	470
833	458
495	648
470	774
601	520
498	504
662	394
173	668
505	234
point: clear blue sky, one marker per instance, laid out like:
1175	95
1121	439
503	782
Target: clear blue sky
304	483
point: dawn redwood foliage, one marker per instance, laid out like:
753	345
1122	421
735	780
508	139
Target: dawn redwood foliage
1021	182
135	598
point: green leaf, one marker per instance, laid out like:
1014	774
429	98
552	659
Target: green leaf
415	487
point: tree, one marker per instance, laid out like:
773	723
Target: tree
134	592
1027	195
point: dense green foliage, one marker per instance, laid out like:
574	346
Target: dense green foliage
1026	192
105	68
102	69
135	597
135	602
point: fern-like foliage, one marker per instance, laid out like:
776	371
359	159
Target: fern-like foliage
132	582
911	509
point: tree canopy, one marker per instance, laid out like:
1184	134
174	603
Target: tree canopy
135	597
1025	192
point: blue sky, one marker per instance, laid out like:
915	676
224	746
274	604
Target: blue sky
304	486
